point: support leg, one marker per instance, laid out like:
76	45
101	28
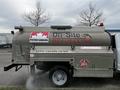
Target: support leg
32	69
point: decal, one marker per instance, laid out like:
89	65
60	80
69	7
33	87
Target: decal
83	63
39	37
71	38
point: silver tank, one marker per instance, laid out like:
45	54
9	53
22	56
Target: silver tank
82	36
28	37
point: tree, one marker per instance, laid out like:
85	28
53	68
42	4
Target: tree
91	16
37	16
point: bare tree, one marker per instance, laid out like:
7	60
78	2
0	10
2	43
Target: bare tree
37	16
90	16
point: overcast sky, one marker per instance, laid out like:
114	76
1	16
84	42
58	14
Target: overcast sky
63	12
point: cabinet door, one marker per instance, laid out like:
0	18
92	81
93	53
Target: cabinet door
94	65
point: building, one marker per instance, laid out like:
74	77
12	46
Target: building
5	40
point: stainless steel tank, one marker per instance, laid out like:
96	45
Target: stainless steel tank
84	36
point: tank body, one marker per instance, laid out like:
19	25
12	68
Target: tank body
30	37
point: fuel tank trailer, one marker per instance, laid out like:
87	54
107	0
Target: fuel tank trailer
66	52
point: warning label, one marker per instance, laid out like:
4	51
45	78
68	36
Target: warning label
83	63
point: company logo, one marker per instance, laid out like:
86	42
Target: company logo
39	37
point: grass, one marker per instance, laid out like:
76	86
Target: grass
23	88
13	88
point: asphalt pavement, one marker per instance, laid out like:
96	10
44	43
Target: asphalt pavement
41	79
11	78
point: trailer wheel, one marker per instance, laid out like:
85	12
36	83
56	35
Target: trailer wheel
60	76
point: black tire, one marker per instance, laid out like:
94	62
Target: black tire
65	76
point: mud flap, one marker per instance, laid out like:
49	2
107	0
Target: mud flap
117	40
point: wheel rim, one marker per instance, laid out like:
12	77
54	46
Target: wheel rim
59	77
